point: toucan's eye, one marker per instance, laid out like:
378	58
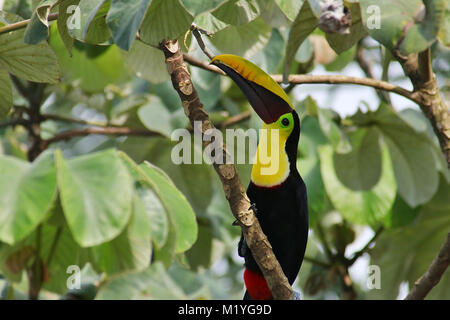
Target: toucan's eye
285	122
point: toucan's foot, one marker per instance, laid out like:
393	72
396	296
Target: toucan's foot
253	207
297	296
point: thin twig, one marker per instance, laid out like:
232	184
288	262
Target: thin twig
23	24
366	247
196	32
114	131
317	262
322	79
433	275
57	117
235	119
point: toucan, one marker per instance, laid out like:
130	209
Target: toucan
276	190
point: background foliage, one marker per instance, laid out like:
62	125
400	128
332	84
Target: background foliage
142	227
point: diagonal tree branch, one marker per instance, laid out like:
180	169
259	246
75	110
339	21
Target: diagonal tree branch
433	274
232	186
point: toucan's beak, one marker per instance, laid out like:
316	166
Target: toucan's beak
266	97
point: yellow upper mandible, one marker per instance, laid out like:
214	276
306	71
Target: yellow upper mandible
252	72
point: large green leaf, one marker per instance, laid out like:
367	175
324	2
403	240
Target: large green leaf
404	24
157	26
412	157
182	223
209	22
90	64
160	154
147	62
157	216
269	59
93	28
244	40
290	7
363	207
124	18
197	7
6	96
37	28
96	195
238	12
26	194
303	25
131	250
68	13
36	63
153	283
404	254
360	169
181	214
155	116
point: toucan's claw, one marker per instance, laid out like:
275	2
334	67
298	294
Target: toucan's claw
253	207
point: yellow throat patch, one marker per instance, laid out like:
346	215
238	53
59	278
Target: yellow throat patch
271	166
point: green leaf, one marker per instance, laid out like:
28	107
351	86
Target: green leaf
404	25
6	96
155	116
208	22
360	169
35	63
147	62
37	29
305	22
68	13
93	28
130	251
361	207
196	7
414	168
160	154
159	224
124	18
96	195
180	212
290	7
182	223
157	26
270	57
66	252
26	194
401	214
153	283
238	12
404	254
342	42
244	40
90	65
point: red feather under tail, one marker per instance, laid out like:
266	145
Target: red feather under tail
256	285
